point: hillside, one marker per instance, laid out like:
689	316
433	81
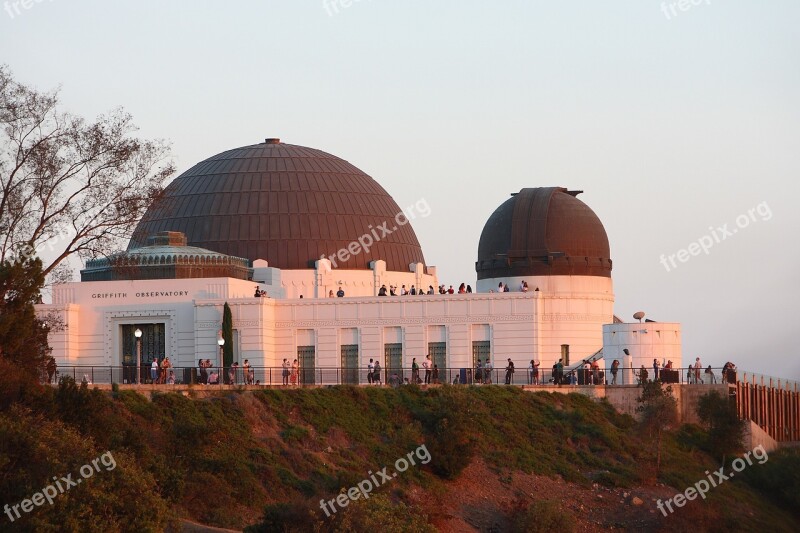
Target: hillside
484	459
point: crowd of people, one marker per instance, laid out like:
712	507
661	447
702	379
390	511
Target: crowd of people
392	290
237	375
290	372
696	374
413	290
588	372
162	373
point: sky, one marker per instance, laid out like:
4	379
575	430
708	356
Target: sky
681	126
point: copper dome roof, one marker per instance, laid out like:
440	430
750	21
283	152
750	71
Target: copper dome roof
543	231
284	203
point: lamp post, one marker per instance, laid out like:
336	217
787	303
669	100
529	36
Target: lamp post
221	343
138	335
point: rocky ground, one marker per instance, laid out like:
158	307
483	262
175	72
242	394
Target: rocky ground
481	500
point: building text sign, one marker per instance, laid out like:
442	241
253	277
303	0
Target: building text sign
148	294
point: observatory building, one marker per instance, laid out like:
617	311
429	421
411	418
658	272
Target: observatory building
299	225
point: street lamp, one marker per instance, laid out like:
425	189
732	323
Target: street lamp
221	343
138	335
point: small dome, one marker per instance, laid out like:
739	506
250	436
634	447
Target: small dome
166	257
286	204
543	231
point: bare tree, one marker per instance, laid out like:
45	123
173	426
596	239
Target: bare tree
74	186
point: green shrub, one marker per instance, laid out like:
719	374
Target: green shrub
543	516
380	513
294	516
294	433
778	478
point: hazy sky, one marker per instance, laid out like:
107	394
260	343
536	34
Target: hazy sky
674	124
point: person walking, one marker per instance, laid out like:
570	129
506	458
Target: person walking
165	369
614	370
162	371
559	371
642	376
479	371
201	368
154	370
415	371
370	371
426	364
285	372
376	378
509	371
697	366
249	373
487	372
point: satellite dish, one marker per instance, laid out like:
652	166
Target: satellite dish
638	315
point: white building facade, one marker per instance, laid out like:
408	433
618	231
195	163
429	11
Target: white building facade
298	226
323	333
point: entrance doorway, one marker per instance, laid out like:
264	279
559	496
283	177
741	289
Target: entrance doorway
153	346
350	364
393	355
306	360
438	353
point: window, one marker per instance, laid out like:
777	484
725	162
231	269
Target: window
350	364
393	356
438	352
153	346
480	350
306	358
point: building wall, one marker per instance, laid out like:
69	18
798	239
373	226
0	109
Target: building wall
645	341
514	323
625	399
93	311
320	281
520	326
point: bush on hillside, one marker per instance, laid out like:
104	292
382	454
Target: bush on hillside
542	516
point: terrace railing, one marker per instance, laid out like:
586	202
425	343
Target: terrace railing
272	376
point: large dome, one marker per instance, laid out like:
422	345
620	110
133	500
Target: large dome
543	231
284	203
